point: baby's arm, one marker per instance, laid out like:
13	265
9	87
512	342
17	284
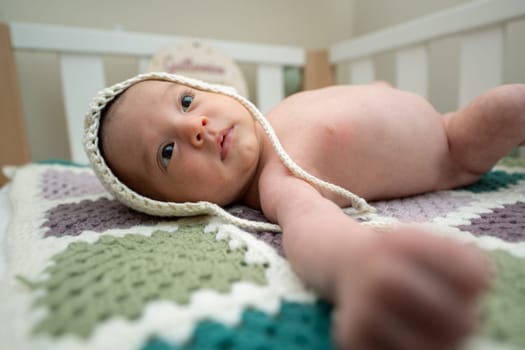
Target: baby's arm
402	290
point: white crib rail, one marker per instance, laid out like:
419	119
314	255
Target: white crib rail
81	50
481	25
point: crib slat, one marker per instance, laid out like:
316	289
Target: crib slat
143	63
270	86
82	77
412	70
481	62
362	72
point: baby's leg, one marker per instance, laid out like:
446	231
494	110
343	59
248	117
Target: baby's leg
486	130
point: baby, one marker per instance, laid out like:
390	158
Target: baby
165	144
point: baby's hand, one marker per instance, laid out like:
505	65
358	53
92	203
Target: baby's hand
408	291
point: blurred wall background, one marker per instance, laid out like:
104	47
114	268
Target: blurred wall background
307	23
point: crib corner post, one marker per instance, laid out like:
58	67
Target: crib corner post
14	149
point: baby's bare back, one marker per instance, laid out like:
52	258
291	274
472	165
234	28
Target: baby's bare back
376	141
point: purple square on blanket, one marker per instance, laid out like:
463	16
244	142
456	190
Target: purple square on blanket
71	219
423	208
507	223
60	184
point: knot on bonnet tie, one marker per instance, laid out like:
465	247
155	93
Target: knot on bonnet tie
127	196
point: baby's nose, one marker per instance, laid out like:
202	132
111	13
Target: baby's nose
196	130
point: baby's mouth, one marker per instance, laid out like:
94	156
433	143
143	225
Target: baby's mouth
225	140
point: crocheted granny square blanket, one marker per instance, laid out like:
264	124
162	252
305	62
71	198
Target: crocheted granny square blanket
85	272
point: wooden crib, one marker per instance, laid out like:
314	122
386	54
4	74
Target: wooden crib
479	25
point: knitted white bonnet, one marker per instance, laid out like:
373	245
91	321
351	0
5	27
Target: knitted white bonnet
154	207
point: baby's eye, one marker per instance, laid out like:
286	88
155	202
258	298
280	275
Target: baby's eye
165	154
185	102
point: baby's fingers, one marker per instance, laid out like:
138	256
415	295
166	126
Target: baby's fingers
377	331
391	334
462	267
401	306
428	307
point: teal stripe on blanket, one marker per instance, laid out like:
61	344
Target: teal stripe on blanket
296	327
494	181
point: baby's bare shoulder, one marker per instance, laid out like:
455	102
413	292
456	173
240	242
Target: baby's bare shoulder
277	186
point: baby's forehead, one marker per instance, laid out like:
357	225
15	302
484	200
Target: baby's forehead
145	90
140	98
152	89
150	84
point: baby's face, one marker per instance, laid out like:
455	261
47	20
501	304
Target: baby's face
173	143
